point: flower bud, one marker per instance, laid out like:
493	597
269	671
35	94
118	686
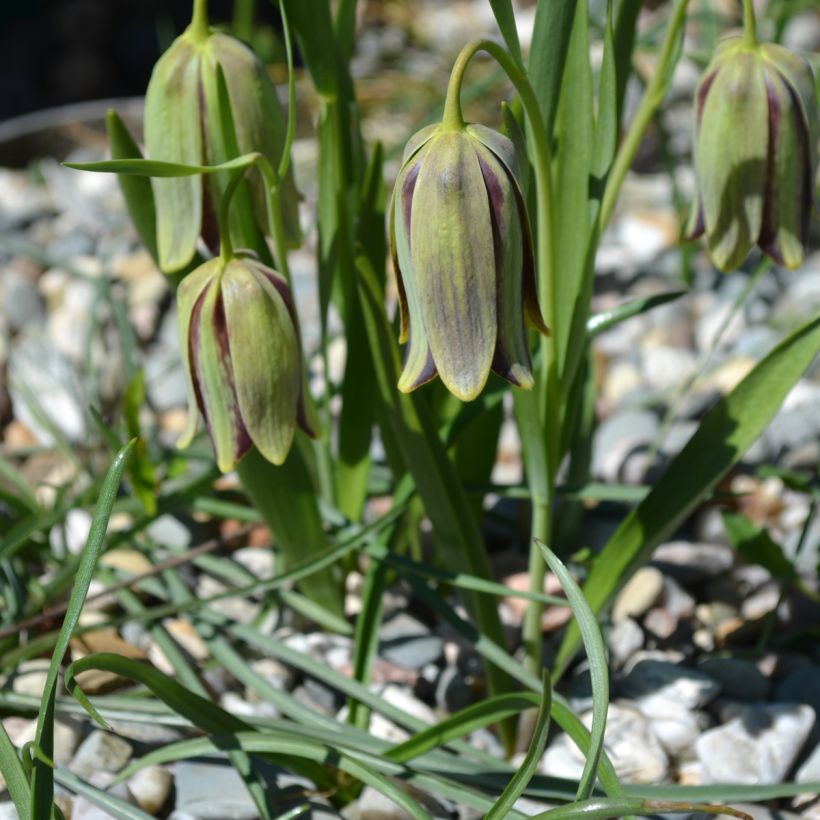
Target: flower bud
184	123
239	336
463	257
754	153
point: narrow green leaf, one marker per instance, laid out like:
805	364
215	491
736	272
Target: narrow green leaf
598	668
366	642
137	192
606	121
625	30
15	776
157	168
23	490
463	722
602	808
42	778
313	26
727	431
505	17
518	782
756	545
548	53
140	470
634	307
573	163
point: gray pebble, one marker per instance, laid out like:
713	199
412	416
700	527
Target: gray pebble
405	641
101	752
624	639
210	791
617	437
691	563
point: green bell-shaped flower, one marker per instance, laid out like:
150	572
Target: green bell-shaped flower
754	152
239	336
185	123
463	257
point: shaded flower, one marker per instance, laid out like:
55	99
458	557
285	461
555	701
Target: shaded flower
186	121
754	152
463	257
239	336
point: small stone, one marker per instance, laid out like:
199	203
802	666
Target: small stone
809	771
654	679
30	677
617	437
624	639
691	563
151	787
639	593
209	791
635	752
168	531
758	746
101	752
405	641
739	678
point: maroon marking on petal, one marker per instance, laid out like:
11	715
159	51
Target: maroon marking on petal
767	239
193	344
209	229
503	366
703	93
428	372
700	224
408	187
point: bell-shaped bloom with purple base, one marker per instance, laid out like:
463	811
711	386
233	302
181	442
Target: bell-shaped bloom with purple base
755	153
463	257
239	336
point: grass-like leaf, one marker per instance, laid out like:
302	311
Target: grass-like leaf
518	782
727	431
598	668
13	773
634	307
42	778
602	808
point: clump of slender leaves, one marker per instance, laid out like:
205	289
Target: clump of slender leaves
567	119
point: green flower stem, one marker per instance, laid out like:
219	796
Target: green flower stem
544	433
652	98
749	23
199	21
284	163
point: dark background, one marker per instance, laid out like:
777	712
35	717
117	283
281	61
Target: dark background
55	52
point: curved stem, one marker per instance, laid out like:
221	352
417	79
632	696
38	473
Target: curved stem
199	20
284	162
652	98
546	407
749	23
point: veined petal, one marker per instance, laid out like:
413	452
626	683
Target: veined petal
511	359
173	133
214	379
418	367
188	294
788	183
503	148
730	158
454	263
264	353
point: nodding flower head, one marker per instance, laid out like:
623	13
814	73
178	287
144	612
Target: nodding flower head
239	336
755	153
463	257
186	121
